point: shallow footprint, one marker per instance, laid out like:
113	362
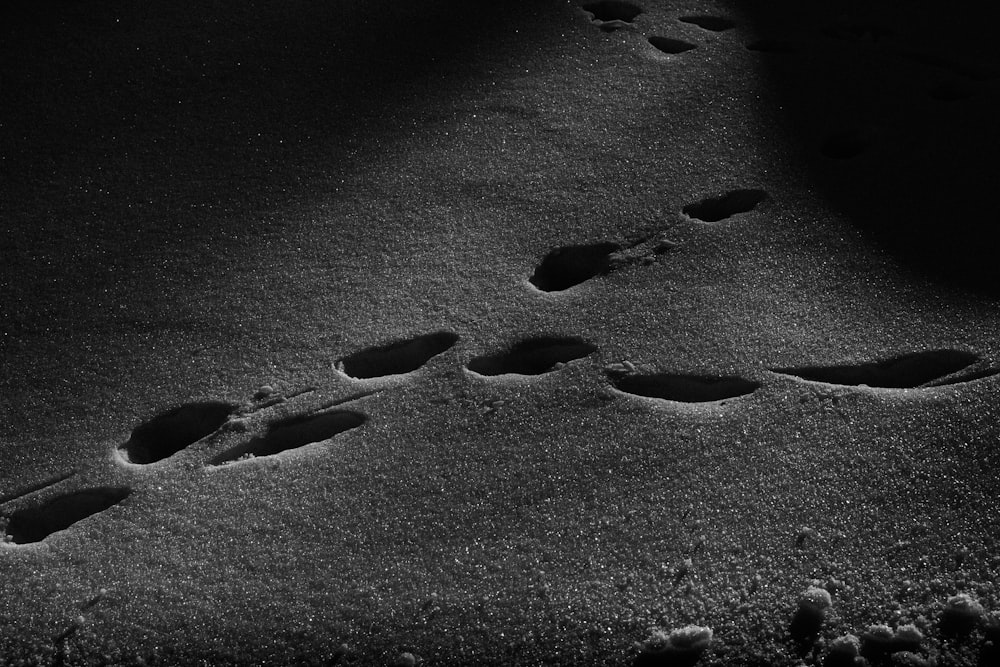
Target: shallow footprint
671	45
398	357
533	356
686	388
292	433
34	524
724	206
908	371
173	430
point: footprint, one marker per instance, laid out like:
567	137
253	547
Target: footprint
613	10
292	433
34	524
671	45
571	265
908	371
847	143
713	23
718	208
167	433
396	358
533	356
685	388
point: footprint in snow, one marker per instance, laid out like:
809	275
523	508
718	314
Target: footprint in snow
933	368
532	356
396	358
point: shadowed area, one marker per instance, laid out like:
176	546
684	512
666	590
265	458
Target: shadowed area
919	187
533	356
777	46
902	372
34	524
399	357
686	388
571	265
292	433
170	432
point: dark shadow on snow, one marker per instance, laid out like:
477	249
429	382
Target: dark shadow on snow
891	115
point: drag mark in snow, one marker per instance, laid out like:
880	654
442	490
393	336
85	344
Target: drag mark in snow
169	432
37	486
909	371
398	357
293	433
725	206
533	356
685	388
34	524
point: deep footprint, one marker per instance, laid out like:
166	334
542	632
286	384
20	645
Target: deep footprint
571	265
686	388
292	433
907	371
398	357
713	23
533	356
724	206
613	10
167	433
34	524
670	45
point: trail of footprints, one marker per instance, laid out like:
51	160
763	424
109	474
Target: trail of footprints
840	144
158	439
